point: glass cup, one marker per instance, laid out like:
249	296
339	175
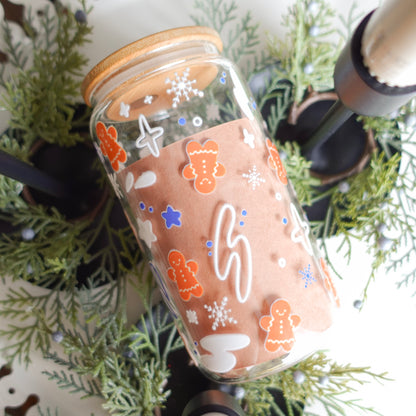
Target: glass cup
206	193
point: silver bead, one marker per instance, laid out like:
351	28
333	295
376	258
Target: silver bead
385	243
308	69
313	7
299	377
344	187
28	234
58	336
314	31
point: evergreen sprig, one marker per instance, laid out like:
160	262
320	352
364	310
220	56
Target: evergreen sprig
306	56
324	381
239	33
298	170
41	98
125	366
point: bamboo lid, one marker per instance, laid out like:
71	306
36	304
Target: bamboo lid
141	47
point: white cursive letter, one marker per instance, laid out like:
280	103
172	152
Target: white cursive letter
234	256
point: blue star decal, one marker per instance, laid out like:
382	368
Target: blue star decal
171	217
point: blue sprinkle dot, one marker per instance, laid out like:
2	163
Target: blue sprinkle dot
182	121
243	212
241	223
196	343
150	209
209	244
222	80
254	105
284	220
209	253
142	205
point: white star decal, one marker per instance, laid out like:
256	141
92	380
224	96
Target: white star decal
297	235
146	232
124	110
248	138
148	99
148	136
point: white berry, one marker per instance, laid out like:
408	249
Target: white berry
28	234
299	377
313	7
308	69
385	243
344	187
314	31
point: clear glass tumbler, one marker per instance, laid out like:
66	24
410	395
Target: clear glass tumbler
207	196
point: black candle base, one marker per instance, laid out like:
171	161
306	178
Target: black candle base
346	152
77	168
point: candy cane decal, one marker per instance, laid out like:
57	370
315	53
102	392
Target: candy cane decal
234	256
221	360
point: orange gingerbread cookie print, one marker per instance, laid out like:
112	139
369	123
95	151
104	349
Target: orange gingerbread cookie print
279	326
183	273
275	162
328	282
109	146
203	167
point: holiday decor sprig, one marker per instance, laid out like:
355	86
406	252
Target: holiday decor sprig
42	246
239	34
306	56
317	378
125	366
41	97
375	205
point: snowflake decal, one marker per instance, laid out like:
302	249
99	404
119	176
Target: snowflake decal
220	314
192	317
254	177
307	276
182	88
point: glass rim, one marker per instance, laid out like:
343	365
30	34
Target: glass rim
145	45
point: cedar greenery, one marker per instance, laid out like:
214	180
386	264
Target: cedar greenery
103	356
41	97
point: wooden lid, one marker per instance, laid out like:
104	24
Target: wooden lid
143	46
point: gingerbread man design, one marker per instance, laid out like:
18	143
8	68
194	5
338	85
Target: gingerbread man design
183	273
203	167
275	162
279	326
109	146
